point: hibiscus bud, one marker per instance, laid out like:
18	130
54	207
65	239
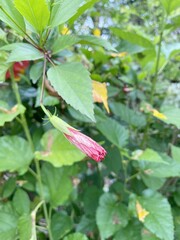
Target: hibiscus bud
87	145
18	68
126	89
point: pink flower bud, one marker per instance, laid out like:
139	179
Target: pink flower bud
81	141
86	145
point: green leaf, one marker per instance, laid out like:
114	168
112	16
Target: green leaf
3	70
128	115
171	49
61	224
66	41
25	227
57	184
114	132
147	155
73	84
77	115
111	215
36	12
134	38
96	41
153	183
170	5
172	114
7	115
8	226
11	16
21	202
146	235
87	224
76	236
25	52
15	154
170	168
88	4
58	150
175	153
8	187
132	231
36	72
11	46
63	10
159	220
90	200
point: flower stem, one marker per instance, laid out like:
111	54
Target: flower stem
22	115
48	220
37	165
43	79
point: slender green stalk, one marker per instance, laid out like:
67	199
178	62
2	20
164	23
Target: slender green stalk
124	167
132	176
154	81
33	173
43	80
22	115
28	136
153	87
48	220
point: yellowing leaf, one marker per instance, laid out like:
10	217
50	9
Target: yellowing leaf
121	54
97	32
100	93
158	114
65	31
141	212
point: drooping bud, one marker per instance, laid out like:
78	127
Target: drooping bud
87	145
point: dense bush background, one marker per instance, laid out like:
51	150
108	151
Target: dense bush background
49	189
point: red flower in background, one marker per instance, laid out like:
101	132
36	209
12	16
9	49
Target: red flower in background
86	145
18	68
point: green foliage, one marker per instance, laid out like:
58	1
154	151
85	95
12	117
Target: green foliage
61	224
9	114
109	69
111	215
76	236
159	220
35	12
70	85
25	227
134	39
21	202
148	155
15	154
57	150
10	15
170	6
57	184
131	231
66	41
25	52
114	132
129	116
8	225
63	11
172	115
